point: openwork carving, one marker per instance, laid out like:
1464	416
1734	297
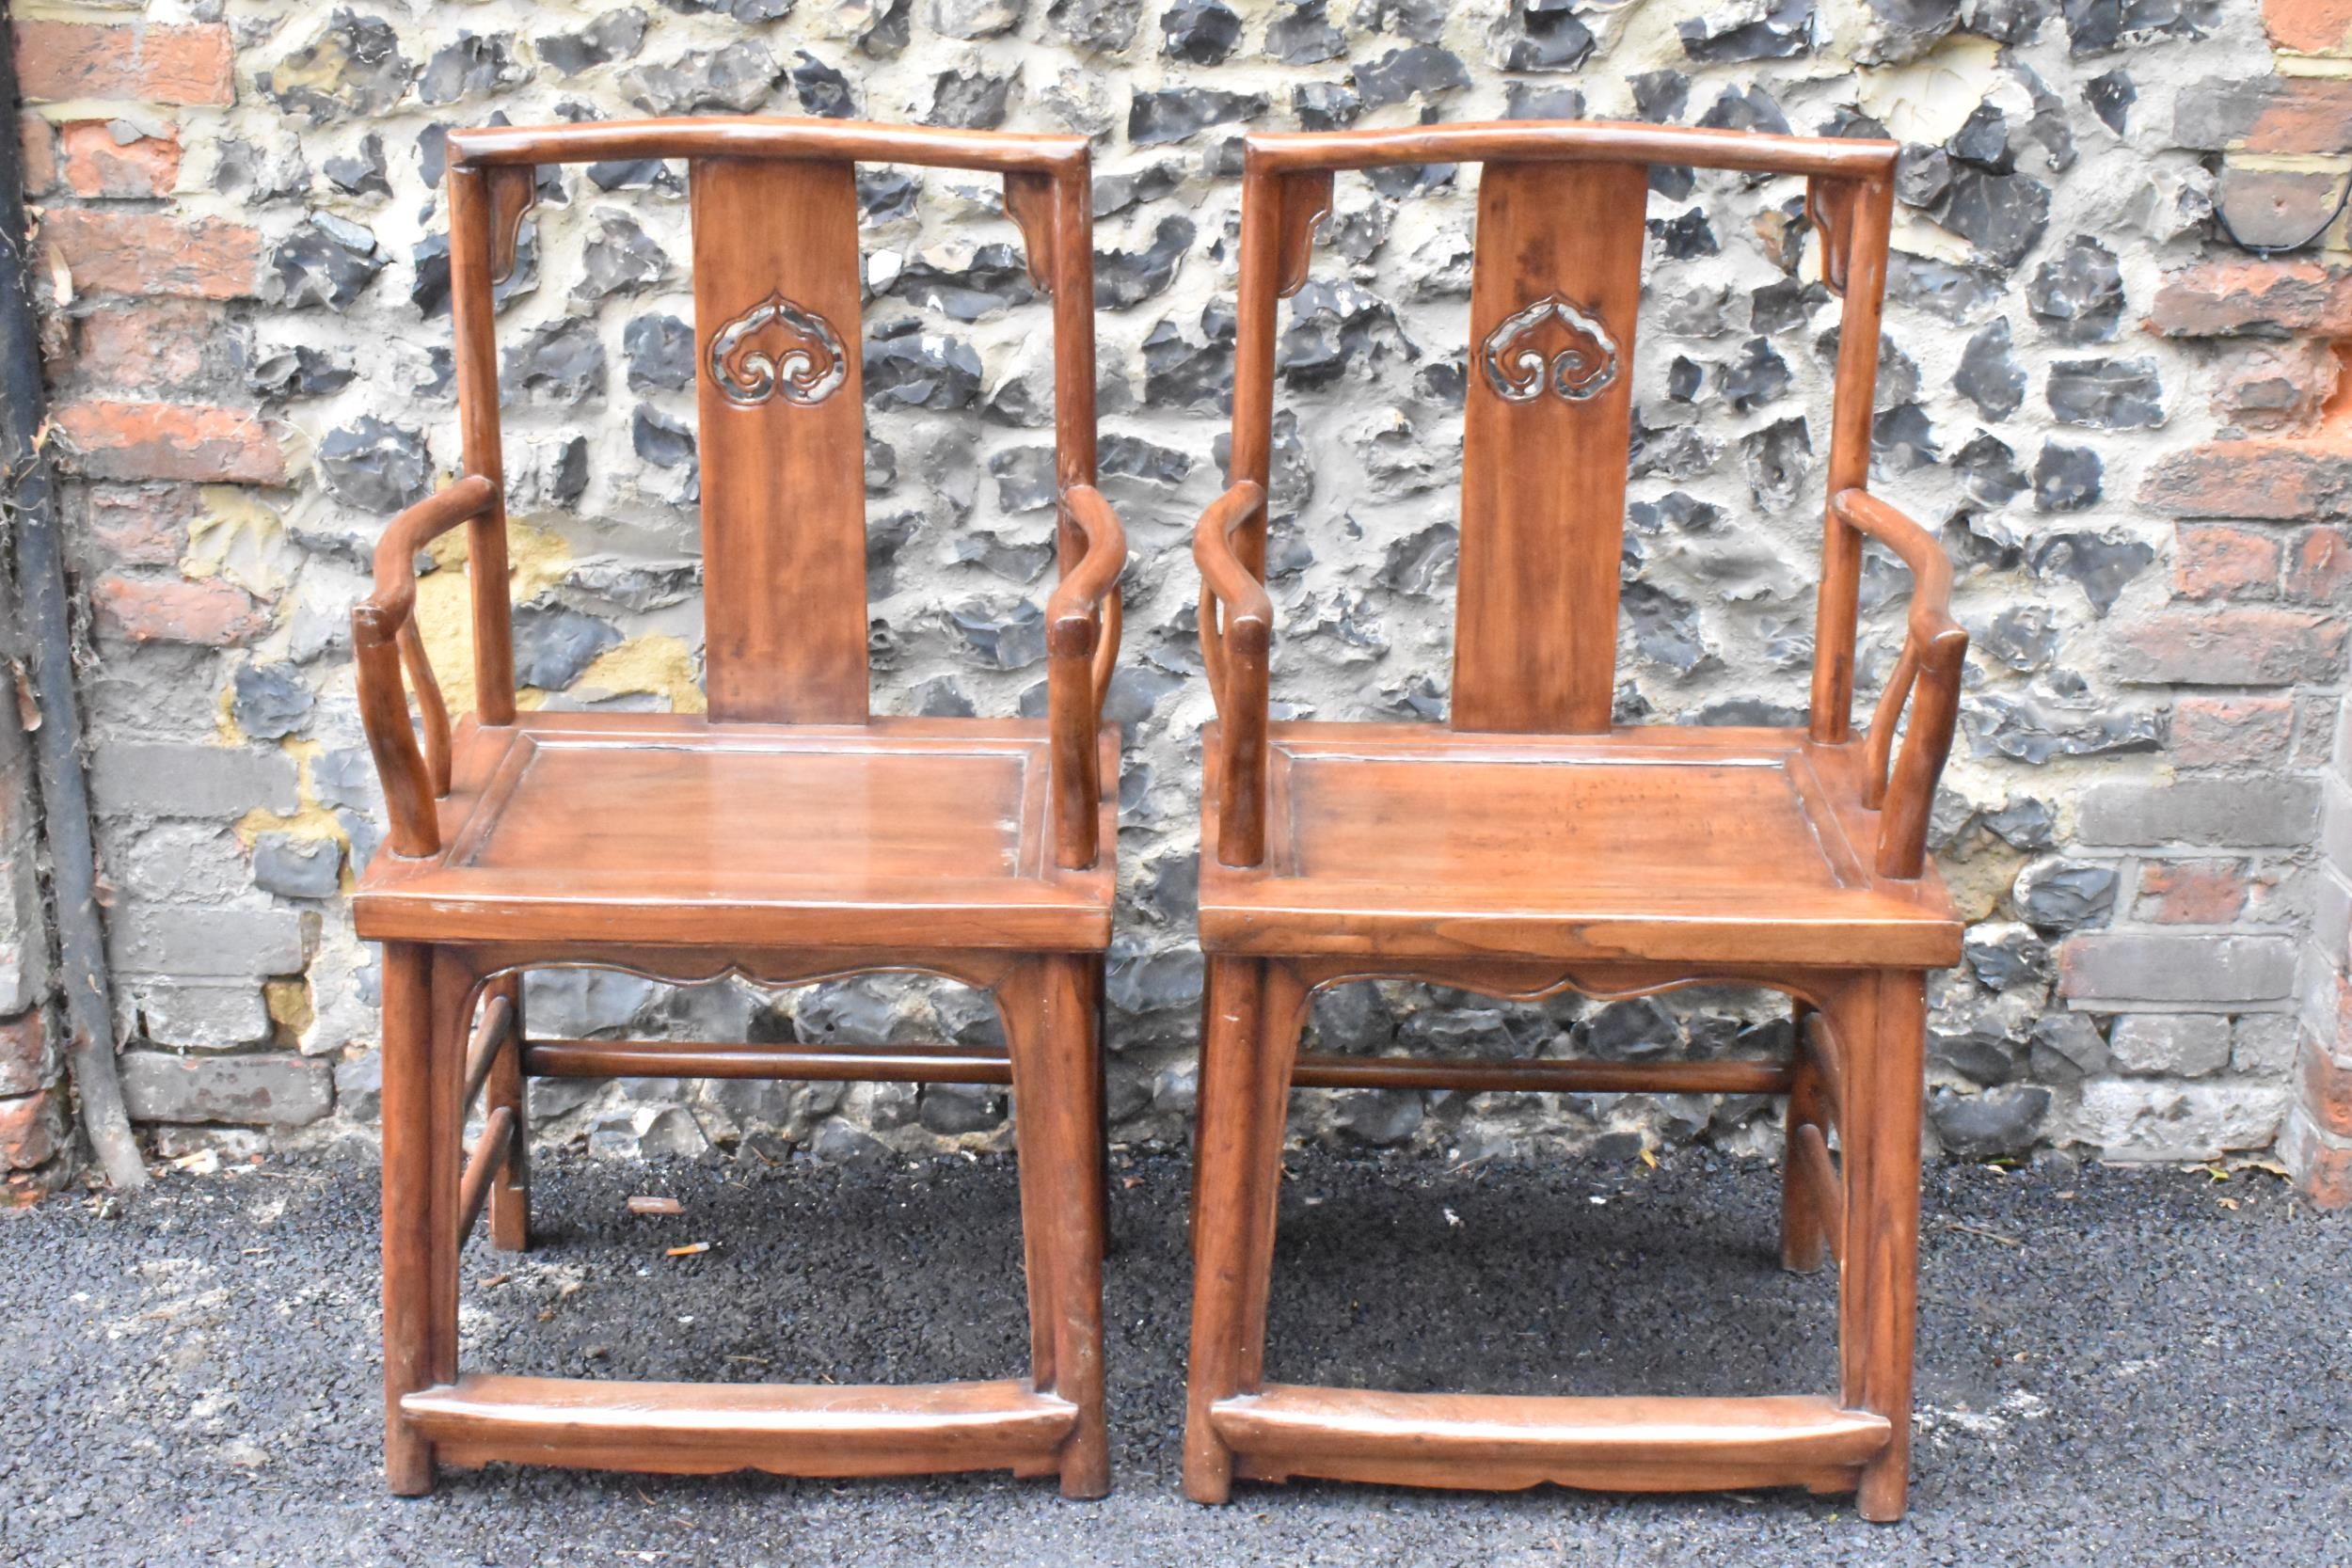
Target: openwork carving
1520	371
777	349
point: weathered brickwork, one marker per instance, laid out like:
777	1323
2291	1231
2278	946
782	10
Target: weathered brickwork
2125	428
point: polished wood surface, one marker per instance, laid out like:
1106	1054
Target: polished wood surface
1529	846
671	828
786	836
784	484
1691	843
1535	624
1499	1442
712	1428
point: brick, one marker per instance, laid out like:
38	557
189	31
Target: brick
94	162
206	782
185	941
2115	971
203	1017
2335	822
2249	646
2231	732
2326	1086
2215	299
2256	478
2277	387
2191	892
2137	1118
2322	1165
275	1089
2182	1045
2309	27
164	346
2269	206
2319	568
26	1062
2230	812
144	525
154	253
2266	114
105	440
30	1128
2218	561
2263	1044
144	63
40	142
211	613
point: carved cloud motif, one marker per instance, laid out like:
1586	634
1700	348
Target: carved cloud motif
1520	371
750	365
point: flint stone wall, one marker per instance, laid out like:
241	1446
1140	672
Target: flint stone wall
246	249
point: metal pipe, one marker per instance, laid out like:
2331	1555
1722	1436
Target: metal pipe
30	504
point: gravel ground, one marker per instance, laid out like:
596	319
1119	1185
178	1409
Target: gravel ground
2123	1367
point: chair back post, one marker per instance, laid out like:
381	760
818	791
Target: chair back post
1278	213
473	225
1854	217
1056	212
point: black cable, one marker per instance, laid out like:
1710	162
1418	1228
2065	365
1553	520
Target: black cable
2264	252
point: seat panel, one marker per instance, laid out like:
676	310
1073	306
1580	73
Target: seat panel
855	819
672	829
1649	845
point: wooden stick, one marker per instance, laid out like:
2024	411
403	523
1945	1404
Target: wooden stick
1809	1159
815	1064
491	1152
1818	1039
1325	1071
489	1037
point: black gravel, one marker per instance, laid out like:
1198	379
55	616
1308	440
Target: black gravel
2117	1368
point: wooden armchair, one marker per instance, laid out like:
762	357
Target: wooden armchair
787	836
1529	847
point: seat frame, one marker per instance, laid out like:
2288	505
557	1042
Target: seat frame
783	504
1535	656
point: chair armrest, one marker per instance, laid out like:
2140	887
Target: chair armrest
1082	627
1925	679
384	640
1236	643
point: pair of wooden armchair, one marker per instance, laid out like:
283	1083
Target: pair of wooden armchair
1527	845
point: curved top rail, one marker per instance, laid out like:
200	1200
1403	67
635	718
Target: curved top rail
1565	141
764	136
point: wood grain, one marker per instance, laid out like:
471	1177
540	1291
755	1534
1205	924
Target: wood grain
1529	847
1543	495
787	836
712	1428
782	483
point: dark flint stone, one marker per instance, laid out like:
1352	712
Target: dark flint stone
885	194
1996	1122
2101	563
2003	216
911	368
1125	278
2023	637
1922	175
298	371
354	66
1539	35
2106	394
1785	305
1423	71
1755	379
2061	894
1105	27
1982	141
737	78
1155	118
559	361
1661	96
1786	31
820	90
1541	101
1303	35
1419	564
1181	374
2111	98
621	259
971	99
1665	629
1777	459
660	439
2032	729
1902	439
1131	457
993	281
1009	634
1325	105
660	354
474	65
554	642
1685	235
363	175
1989	375
1116	192
1957	293
2078	296
1202	31
328	261
1746	109
269	701
375	466
614	36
